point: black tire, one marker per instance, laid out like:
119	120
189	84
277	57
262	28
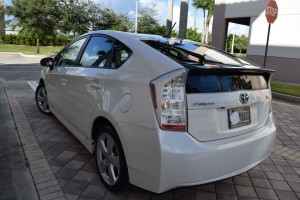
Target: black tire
42	100
113	176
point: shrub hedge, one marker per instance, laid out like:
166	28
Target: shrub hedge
44	41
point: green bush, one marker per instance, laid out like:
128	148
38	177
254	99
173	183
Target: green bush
28	40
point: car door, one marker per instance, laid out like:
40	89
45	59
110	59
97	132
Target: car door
86	82
56	80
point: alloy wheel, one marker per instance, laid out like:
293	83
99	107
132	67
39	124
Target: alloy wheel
108	159
42	99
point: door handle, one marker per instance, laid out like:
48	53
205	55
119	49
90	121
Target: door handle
96	86
64	81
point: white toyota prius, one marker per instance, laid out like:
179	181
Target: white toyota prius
160	112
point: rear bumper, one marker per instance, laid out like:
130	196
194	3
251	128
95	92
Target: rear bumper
190	162
177	159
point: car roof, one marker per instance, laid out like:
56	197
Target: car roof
139	36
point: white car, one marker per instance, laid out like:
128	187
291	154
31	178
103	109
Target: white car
160	112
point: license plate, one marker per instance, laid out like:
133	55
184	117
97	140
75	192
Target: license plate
239	116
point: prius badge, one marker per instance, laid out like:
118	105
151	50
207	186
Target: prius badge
244	97
204	104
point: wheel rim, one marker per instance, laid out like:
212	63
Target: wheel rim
108	159
42	99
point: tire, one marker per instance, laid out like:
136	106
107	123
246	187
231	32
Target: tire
110	159
42	100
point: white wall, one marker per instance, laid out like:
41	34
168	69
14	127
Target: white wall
285	31
244	8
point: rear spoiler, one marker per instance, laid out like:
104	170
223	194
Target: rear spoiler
266	73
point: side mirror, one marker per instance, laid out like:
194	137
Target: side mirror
49	62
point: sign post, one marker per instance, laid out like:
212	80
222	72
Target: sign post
271	15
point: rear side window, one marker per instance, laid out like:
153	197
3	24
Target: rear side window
219	83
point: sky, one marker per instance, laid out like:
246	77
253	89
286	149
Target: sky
128	6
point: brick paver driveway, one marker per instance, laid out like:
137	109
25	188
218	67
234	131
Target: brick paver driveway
277	177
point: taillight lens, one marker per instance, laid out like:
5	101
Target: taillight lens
169	100
270	98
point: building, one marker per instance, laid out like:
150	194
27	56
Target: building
284	42
11	31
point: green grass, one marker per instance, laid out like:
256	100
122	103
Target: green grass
26	162
30	50
241	55
286	88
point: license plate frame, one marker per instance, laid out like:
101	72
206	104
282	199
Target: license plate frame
244	115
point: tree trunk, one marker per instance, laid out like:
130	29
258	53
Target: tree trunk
37	45
203	28
207	34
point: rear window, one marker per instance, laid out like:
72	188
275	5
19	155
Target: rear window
194	53
220	83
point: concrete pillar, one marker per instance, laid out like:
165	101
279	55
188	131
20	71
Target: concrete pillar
220	25
2	28
170	16
184	8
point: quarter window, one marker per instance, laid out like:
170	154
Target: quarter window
97	52
68	56
120	55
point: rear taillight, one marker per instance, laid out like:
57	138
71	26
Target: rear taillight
169	100
270	99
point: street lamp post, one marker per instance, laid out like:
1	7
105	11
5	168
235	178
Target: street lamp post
232	44
136	14
196	11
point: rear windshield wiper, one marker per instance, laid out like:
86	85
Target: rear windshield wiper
201	57
216	62
163	46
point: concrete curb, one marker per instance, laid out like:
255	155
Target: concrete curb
4	53
16	177
44	179
32	56
36	56
286	97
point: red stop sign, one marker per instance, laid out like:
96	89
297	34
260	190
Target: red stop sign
271	11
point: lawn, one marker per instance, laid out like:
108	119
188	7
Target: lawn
286	88
242	55
30	50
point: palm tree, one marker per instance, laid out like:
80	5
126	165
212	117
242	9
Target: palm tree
205	5
211	7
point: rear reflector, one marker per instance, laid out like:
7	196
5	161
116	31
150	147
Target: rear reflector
174	127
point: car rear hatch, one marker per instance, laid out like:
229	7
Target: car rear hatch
226	102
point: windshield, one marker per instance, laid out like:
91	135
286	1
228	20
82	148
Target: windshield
189	52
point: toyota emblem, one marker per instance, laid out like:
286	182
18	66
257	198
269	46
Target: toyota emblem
244	97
